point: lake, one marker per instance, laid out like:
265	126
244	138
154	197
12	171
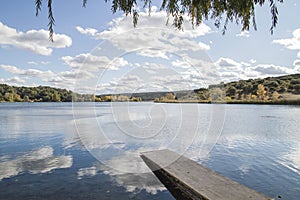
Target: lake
91	150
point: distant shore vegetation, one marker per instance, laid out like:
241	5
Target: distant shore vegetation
271	90
50	94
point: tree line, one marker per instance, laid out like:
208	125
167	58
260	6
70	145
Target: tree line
50	94
34	94
267	89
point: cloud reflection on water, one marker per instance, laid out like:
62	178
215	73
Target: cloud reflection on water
133	183
37	161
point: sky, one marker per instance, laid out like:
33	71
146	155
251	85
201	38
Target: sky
96	51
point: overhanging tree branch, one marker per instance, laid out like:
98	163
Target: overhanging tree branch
240	11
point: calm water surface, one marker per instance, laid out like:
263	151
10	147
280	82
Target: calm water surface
91	151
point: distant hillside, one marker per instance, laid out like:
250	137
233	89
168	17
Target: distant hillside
38	94
268	90
283	89
145	96
271	89
283	84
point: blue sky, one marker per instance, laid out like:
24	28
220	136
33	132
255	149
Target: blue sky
97	51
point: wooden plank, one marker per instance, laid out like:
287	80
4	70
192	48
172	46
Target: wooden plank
187	179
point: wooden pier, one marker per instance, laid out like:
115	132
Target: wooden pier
187	179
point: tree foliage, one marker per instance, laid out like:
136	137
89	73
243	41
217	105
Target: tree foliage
271	88
50	94
251	90
261	92
221	11
30	94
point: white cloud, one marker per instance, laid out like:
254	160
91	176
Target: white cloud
151	37
64	79
246	64
45	62
123	24
243	34
297	65
231	70
29	72
86	31
153	53
271	69
152	41
91	62
12	69
154	66
76	75
13	81
174	82
127	83
188	67
36	41
181	64
227	63
198	71
37	63
144	83
32	63
290	43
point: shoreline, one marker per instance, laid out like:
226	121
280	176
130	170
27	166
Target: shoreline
279	102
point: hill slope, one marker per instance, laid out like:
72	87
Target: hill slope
283	89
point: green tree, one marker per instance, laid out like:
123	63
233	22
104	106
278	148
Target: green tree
295	81
55	97
247	88
203	94
296	89
239	11
231	91
9	97
26	99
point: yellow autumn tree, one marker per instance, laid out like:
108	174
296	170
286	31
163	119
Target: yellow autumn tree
275	96
261	92
170	96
